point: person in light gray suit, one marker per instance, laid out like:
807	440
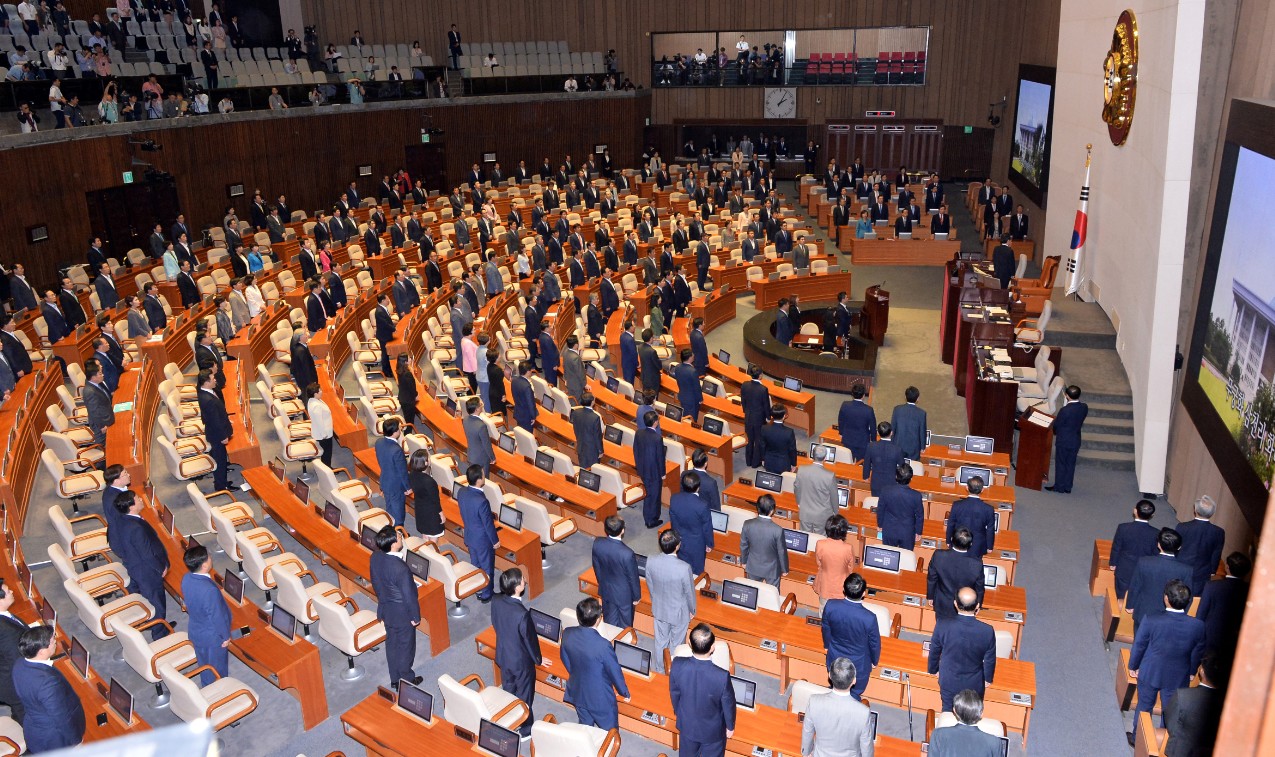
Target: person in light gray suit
98	401
816	492
964	739
573	369
672	587
240	313
801	254
909	424
478	449
836	724
495	282
138	325
761	545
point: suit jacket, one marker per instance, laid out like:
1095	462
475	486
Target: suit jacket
1018	226
594	671
761	549
525	410
385	329
880	461
979	518
206	610
1133	541
100	405
303	369
1067	426
963	653
155	314
1003	264
573	370
396	602
550	357
212	411
71	306
755	399
189	289
389	455
615	566
850	630
10	630
709	490
480	529
517	645
649	455
672	587
778	447
274	228
138	325
699	352
949	572
1222	610
909	424
54	716
1150	575
1192	718
106	293
689	393
110	371
1202	544
1167	649
140	549
857	422
478	450
17	355
900	515
836	725
588	432
649	363
688	515
703	700
240	313
962	740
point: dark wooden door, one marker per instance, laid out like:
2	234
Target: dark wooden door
125	215
428	162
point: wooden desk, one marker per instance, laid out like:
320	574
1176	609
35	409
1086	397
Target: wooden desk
556	431
351	433
737	275
77	345
716	309
20	460
822	287
1101	576
518	549
1019	246
384	729
243	450
800	405
340	550
890	251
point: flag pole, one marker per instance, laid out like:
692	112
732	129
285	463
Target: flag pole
1075	258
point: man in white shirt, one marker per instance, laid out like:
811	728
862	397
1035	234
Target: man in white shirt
30	15
56	101
570	85
58	60
741	52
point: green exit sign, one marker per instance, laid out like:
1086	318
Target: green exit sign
424	137
128	177
969	129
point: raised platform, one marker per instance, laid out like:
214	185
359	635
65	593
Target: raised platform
816	371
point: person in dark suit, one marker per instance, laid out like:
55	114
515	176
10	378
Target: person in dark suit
615	566
1133	541
393	463
104	285
54	717
964	739
334	288
755	400
110	369
98	401
761	545
433	273
1193	714
14	351
963	651
217	428
882	460
550	357
156	318
385	330
1222	604
309	262
900	510
587	425
525	410
649	362
709	490
405	295
703	698
207	614
1167	649
951	570
11	630
317	311
1003	262
1202	543
1019	223
480	531
850	630
187	287
909	422
785	329
136	544
941	222
649	456
70	304
778	443
688	515
628	352
857	422
593	670
302	366
689	392
1066	427
517	645
479	449
699	347
976	515
396	604
1152	574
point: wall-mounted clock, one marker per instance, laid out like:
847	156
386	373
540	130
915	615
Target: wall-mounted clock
781	102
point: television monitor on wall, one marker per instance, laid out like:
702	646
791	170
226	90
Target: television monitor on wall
1033	120
1229	391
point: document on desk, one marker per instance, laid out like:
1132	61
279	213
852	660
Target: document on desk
1044	420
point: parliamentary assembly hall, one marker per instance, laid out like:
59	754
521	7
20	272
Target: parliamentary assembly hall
600	379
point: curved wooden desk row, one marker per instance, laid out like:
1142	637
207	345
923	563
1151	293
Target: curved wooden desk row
812	287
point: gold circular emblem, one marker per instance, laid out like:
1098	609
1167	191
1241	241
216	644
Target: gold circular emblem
1120	79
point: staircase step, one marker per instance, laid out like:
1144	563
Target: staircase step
1056	337
1104	398
1107	425
1108	442
1106	459
1110	410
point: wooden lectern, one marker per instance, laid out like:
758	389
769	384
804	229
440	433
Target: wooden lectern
876	314
1035	442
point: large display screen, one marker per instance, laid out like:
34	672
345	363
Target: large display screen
1228	390
1033	117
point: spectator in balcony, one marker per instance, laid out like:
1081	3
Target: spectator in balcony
59	61
27	121
570	84
132	109
235	32
490	61
370	67
218	35
293	43
395	88
29	13
108	110
357	39
152	87
74	116
418	55
57	103
114	31
330	57
188	28
124	8
741	53
454	48
276	100
589	86
208	59
355	87
612	62
627	85
316	97
200	104
171	107
226	105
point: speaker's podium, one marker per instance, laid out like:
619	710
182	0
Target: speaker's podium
876	314
1035	441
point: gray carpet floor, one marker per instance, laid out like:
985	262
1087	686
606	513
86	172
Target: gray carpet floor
1075	714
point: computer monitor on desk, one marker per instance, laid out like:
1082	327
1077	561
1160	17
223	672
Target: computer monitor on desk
714	426
940	236
796	541
843	497
511	516
120	700
739	595
905	235
872	725
613	434
641	565
417	564
633	658
457	486
723	356
990	575
548	403
79	658
233	585
966	472
613	384
283	621
979	445
332	514
792	384
771	482
508	443
745	692
415	701
367	537
544	461
547	626
673	413
497	740
721	520
589	480
882	558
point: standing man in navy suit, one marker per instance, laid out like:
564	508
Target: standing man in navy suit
709	490
649	456
142	553
480	529
1167	649
1066	427
628	352
207	613
976	515
900	511
396	604
785	330
951	570
615	567
703	699
1133	541
857	422
550	358
850	630
517	645
393	463
11	630
1152	574
699	347
882	460
755	399
909	422
1202	543
525	409
688	515
778	443
217	428
593	670
54	717
963	651
1222	604
689	392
